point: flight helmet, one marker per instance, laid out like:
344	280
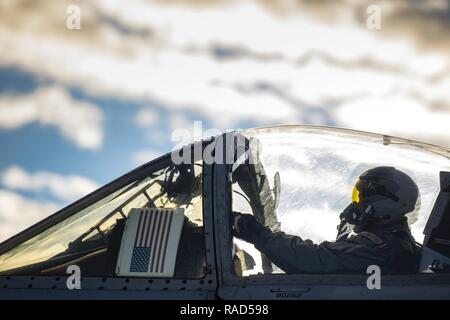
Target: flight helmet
382	196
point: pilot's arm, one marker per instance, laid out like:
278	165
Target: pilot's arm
295	255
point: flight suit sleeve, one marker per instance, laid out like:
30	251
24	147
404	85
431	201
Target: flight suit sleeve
295	255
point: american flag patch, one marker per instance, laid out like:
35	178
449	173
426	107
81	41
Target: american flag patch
150	242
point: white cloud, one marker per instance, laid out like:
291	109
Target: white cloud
285	63
17	213
249	25
397	115
180	121
144	156
67	188
146	117
80	122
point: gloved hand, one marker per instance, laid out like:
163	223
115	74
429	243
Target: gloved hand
345	227
350	214
357	216
246	227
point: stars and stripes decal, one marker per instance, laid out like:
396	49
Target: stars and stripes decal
150	242
152	237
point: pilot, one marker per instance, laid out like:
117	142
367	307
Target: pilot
373	231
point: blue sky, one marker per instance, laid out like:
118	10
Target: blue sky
78	108
37	147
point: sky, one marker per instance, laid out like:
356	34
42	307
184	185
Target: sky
80	107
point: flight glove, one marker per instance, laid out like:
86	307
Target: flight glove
246	227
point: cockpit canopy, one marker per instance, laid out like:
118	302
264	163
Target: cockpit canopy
296	179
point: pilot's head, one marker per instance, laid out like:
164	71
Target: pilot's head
382	197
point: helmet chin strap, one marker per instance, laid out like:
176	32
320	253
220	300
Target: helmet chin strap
366	219
359	216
